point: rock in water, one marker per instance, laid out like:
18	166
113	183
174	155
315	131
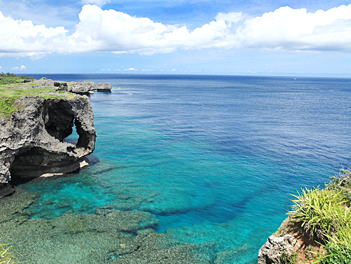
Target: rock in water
103	87
31	141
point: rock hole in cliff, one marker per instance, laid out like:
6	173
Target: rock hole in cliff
60	121
73	137
62	125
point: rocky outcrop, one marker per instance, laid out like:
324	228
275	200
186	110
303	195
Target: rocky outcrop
277	250
31	141
82	88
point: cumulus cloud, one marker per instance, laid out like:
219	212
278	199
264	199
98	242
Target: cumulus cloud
117	32
19	68
296	29
25	39
131	69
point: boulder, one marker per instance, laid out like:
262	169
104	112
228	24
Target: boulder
276	247
103	87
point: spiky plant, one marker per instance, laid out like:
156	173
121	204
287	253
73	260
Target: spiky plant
318	211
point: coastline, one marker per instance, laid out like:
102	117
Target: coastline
117	168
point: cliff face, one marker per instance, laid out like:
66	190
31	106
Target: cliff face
31	141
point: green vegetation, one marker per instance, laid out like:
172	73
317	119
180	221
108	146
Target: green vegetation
289	259
5	256
324	216
10	78
13	87
317	210
9	96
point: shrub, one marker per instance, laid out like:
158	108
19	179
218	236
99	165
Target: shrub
319	212
342	184
325	216
338	249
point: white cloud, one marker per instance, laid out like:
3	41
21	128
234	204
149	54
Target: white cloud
25	39
117	32
131	69
0	67
19	68
296	29
173	70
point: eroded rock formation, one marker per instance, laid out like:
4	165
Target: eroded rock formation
276	249
31	141
85	87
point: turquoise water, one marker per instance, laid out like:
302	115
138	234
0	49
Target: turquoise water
214	158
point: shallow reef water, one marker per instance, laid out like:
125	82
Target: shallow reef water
187	169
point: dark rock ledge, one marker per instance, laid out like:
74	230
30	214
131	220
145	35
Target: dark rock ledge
31	140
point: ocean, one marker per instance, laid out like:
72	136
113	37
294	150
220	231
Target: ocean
213	158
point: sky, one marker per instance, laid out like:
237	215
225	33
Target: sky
231	37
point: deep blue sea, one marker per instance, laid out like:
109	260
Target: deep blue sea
214	158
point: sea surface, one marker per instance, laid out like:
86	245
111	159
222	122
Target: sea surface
213	158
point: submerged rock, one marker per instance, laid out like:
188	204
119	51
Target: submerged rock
31	141
108	236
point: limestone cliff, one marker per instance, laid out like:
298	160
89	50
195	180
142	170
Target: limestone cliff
83	88
31	139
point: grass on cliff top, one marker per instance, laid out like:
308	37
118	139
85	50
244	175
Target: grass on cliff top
321	218
10	78
12	91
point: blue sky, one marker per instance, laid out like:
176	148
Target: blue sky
255	37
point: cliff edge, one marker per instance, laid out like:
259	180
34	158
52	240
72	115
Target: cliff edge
33	125
318	228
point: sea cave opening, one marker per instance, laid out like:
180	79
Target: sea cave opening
62	125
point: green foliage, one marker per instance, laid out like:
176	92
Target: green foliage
325	216
338	249
5	256
285	258
342	184
6	105
319	212
9	96
7	74
10	78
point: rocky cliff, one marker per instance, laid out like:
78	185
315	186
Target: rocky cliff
32	138
83	88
